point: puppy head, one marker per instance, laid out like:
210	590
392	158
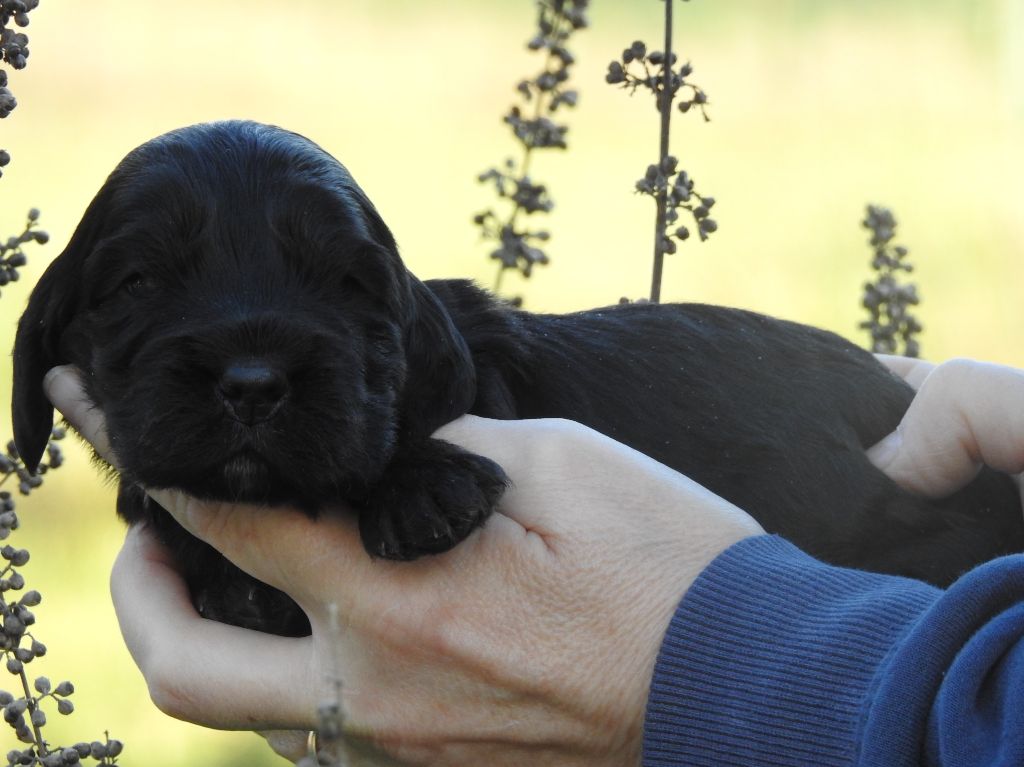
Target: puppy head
242	317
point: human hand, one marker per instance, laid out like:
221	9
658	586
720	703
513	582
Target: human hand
532	642
965	414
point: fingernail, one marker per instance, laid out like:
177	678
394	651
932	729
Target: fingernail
51	377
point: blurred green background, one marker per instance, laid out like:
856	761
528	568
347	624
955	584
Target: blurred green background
818	107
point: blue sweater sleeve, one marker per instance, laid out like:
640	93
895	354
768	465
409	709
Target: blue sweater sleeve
776	659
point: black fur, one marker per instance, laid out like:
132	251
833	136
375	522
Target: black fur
242	317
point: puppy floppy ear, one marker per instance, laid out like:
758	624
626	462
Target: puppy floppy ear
55	302
52	307
36	350
440	379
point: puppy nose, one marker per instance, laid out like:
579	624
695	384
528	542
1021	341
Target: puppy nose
252	390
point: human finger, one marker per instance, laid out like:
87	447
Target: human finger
63	386
965	414
910	369
530	452
290	744
203	671
280	545
563	472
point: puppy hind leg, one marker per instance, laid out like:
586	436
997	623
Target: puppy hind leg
431	497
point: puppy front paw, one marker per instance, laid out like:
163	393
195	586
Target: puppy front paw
431	497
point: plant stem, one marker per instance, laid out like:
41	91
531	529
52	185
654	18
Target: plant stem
40	743
665	108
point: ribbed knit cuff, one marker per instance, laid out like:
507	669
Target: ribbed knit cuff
769	658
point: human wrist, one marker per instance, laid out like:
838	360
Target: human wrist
771	652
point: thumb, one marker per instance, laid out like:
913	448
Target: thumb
965	414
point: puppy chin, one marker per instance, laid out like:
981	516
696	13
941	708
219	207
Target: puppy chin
244	478
247	477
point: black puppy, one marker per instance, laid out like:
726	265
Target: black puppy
242	317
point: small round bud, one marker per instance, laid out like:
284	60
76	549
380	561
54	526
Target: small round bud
17	708
14	627
22	732
616	74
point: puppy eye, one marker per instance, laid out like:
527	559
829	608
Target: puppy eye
137	285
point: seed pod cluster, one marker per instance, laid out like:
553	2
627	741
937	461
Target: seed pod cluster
517	246
13	52
892	327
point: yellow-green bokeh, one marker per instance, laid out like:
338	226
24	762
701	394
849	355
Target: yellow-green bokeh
818	107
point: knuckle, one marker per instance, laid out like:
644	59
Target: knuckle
949	381
167	688
956	370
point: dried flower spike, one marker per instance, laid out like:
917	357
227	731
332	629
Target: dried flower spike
13	52
518	247
671	187
887	300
